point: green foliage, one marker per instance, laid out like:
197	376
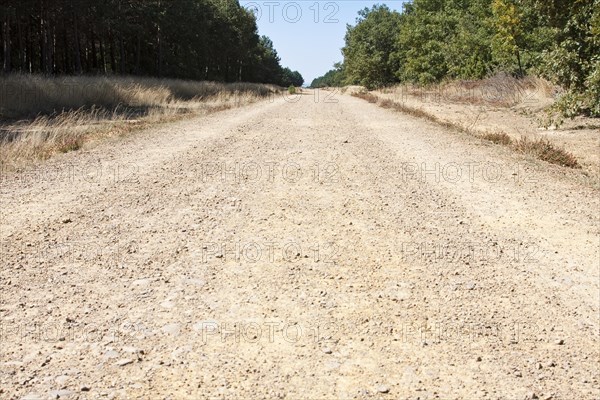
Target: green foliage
435	40
333	78
191	39
292	89
573	61
291	78
369	47
508	38
422	43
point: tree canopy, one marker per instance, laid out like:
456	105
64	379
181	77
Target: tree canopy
190	39
437	40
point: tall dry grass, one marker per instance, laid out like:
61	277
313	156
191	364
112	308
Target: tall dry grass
500	90
41	116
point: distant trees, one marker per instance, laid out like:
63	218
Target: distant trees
291	78
333	78
191	39
435	40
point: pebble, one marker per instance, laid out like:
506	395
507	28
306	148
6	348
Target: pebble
124	362
327	350
479	359
383	389
61	379
560	342
171	329
66	221
60	394
32	396
111	354
85	388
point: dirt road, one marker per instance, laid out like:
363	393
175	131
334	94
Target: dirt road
324	248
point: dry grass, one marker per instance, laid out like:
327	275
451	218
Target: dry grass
547	151
371	98
390	104
498	91
41	116
497	138
542	149
26	96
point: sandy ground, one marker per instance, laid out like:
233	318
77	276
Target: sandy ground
318	249
580	136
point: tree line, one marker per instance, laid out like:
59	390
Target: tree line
213	40
436	40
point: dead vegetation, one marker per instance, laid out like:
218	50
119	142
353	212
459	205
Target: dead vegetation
497	138
542	149
41	116
547	151
501	90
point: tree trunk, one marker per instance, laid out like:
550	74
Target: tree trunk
29	55
520	65
46	45
66	67
6	36
121	54
53	50
138	54
159	40
113	61
22	59
93	51
102	58
76	46
159	60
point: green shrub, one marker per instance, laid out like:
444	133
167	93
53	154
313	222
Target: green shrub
292	89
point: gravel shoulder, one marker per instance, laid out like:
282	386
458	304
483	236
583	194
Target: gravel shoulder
319	248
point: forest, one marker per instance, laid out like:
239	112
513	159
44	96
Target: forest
214	40
433	41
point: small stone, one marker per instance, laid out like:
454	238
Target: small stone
479	359
110	354
171	329
518	374
66	221
61	380
124	362
32	396
327	350
532	396
560	342
539	366
383	389
85	388
60	394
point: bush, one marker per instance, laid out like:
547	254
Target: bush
292	89
497	138
547	151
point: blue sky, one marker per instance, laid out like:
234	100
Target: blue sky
306	40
